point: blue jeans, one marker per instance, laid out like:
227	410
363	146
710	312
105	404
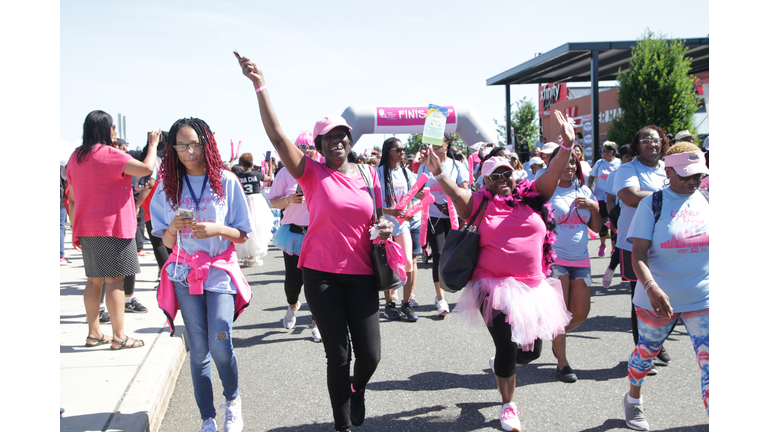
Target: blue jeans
62	219
208	323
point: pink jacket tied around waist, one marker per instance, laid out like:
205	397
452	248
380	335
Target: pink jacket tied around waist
201	264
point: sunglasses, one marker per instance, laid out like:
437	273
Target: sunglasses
398	149
696	177
498	176
305	146
181	148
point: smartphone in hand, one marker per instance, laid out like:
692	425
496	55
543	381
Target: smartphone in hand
186	213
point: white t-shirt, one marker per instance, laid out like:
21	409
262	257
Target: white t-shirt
635	173
452	169
390	197
679	254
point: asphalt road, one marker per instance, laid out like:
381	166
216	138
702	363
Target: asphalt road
434	373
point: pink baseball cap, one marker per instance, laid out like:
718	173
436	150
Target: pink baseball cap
326	124
493	163
687	164
549	147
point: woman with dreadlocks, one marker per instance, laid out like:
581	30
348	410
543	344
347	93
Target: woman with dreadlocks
396	181
200	210
519	305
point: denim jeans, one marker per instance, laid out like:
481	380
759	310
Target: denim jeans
62	219
208	323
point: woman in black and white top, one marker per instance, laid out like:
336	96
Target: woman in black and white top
261	216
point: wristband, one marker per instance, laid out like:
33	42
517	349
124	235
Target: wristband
566	148
172	235
438	177
286	200
649	284
261	88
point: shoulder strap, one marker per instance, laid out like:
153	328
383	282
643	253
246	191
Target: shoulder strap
656	204
480	210
369	184
705	193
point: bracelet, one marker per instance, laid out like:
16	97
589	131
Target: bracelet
648	284
438	177
172	235
286	200
261	88
566	148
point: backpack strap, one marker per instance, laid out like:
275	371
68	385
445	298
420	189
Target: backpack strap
656	205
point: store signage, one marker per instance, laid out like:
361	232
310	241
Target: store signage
551	94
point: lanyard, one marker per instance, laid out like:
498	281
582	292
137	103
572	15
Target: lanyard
192	192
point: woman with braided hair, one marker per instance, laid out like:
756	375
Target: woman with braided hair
396	181
201	277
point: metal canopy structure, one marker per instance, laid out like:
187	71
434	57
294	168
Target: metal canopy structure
587	62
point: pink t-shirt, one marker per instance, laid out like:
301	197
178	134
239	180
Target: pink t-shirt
340	213
284	185
104	204
511	241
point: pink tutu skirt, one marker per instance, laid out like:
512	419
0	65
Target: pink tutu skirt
533	312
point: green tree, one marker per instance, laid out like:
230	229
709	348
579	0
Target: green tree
525	123
657	89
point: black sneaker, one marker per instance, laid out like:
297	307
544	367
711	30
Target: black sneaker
103	316
653	371
566	375
135	306
357	406
407	309
390	310
663	356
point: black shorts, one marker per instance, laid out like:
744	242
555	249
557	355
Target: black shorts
627	272
603	209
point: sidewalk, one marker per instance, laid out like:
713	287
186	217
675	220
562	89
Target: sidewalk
105	390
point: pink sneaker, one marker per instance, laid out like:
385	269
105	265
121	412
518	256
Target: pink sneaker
63	261
601	251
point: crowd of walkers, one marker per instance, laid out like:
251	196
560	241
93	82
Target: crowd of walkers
207	218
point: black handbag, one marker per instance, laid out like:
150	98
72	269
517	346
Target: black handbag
384	275
459	256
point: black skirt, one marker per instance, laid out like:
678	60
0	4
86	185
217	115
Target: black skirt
109	256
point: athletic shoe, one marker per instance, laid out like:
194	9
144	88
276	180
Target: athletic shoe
289	320
316	334
234	422
249	262
258	262
653	371
134	306
442	307
601	251
63	261
103	316
608	277
663	356
424	256
413	301
407	309
566	375
509	417
357	406
141	253
390	310
209	425
634	415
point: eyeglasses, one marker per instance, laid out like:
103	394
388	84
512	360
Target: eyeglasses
398	149
650	140
695	177
305	146
498	176
181	148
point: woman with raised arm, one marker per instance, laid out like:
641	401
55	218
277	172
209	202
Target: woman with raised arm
200	211
103	216
519	305
336	261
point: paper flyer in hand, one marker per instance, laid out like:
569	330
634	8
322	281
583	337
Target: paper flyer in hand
434	125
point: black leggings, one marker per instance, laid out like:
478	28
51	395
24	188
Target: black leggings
345	307
129	284
161	251
294	280
508	355
436	234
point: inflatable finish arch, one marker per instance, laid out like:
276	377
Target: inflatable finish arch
462	120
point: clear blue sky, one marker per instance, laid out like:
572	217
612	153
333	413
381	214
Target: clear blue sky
155	62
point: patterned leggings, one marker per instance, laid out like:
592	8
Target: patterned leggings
653	330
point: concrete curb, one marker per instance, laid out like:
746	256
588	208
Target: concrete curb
144	404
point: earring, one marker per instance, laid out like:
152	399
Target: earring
666	181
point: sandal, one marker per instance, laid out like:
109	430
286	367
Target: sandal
123	344
97	342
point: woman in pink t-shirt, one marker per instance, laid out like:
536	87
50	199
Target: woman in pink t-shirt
336	253
519	305
104	222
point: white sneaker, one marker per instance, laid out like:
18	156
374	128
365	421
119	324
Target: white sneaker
608	277
442	307
258	261
209	425
234	422
289	320
413	301
509	417
316	334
